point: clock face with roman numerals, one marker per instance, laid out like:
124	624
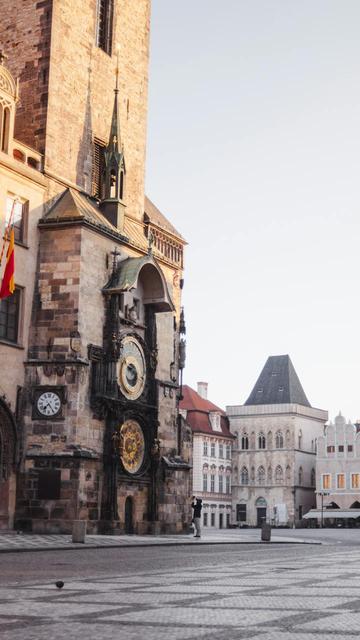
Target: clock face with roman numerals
49	404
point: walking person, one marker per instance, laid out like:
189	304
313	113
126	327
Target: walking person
197	506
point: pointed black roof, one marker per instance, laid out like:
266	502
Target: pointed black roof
278	383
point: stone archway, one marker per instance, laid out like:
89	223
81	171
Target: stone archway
8	442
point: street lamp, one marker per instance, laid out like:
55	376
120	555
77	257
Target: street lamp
322	494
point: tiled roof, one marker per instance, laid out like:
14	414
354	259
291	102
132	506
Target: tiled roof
156	217
278	383
198	410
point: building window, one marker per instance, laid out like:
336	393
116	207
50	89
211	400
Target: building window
228	452
228	486
104	26
326	481
261	441
17	215
279	440
212	519
205	448
205	482
97	167
279	475
340	481
221	450
261	475
350	448
205	520
241	512
244	476
221	484
330	449
212	483
9	317
4	128
301	476
341	448
313	478
355	480
245	442
300	439
212	450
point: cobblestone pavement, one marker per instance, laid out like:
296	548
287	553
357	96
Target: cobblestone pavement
283	593
19	542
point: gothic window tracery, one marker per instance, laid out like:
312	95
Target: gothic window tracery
245	441
244	476
262	441
261	475
279	475
279	440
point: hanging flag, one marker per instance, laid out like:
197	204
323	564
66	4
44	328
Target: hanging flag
8	282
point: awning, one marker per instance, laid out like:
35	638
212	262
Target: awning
332	513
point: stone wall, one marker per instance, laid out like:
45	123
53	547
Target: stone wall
67	83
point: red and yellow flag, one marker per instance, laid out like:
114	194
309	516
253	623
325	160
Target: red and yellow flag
8	281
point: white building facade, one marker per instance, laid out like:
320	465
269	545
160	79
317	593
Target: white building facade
274	457
212	453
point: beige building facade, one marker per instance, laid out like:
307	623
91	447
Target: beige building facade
274	457
93	337
338	466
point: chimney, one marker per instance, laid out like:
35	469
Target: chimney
202	388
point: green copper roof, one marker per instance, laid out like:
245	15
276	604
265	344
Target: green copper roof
125	276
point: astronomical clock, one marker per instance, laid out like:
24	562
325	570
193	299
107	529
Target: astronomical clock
125	390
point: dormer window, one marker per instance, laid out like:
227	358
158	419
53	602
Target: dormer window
215	421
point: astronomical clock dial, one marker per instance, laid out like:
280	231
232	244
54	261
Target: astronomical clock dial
132	368
132	446
49	404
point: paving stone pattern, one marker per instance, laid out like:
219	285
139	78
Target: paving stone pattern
313	596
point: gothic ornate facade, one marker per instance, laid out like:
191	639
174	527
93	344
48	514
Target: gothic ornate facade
274	459
89	424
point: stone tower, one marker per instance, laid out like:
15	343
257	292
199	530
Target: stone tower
97	406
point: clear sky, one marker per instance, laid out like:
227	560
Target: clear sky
254	156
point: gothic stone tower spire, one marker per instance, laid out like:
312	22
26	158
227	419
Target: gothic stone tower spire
112	204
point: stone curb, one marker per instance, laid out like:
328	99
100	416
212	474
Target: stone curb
83	546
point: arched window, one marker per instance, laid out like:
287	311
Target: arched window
313	478
269	475
252	440
121	194
279	475
301	476
269	440
288	438
5	129
261	475
261	441
244	476
299	439
288	474
279	440
245	441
